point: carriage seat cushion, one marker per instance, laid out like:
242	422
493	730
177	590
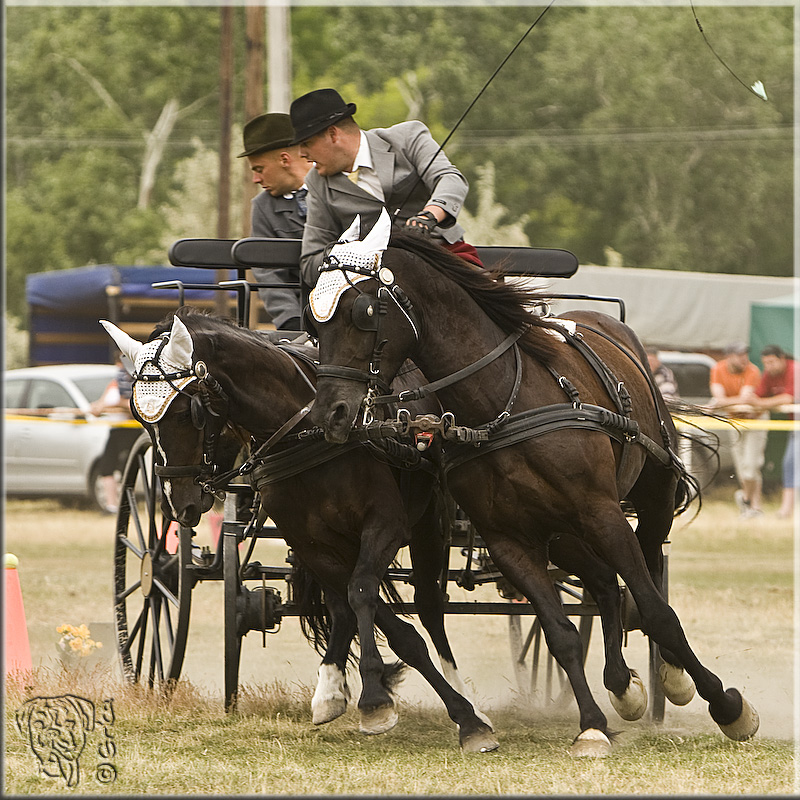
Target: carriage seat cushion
258	251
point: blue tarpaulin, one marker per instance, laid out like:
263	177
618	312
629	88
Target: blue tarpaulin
77	289
65	305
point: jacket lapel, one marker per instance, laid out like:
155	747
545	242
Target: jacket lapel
383	160
341	183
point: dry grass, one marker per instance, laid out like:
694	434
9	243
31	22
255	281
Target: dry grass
270	747
731	583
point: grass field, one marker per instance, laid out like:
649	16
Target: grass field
731	583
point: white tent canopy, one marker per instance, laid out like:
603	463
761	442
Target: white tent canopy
672	309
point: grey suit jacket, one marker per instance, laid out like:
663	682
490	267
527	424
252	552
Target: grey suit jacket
400	154
277	218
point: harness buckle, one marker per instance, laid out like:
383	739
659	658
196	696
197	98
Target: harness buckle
368	403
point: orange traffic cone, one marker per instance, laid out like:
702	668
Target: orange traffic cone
18	647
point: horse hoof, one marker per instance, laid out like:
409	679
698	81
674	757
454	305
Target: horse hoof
591	743
745	727
479	742
632	703
678	684
378	720
327	710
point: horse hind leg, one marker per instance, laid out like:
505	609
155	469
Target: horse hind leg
615	541
626	690
376	703
427	560
654	500
475	736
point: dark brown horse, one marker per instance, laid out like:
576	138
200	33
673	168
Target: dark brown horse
344	517
573	428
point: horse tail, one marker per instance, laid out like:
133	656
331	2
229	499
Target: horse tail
315	621
687	491
393	675
389	590
707	443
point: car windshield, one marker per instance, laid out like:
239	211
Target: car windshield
92	388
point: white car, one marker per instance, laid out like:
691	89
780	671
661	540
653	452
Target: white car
52	440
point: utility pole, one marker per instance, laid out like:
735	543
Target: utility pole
279	54
225	121
254	86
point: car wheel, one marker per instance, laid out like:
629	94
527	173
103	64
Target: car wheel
98	492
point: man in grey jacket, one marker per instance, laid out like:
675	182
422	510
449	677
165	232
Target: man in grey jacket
360	172
279	212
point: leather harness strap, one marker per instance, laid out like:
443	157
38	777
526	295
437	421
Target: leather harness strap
539	421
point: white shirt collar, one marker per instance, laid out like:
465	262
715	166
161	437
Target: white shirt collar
364	155
292	194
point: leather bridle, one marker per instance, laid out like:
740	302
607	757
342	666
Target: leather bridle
201	408
369	314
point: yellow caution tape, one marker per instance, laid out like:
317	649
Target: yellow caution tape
737	423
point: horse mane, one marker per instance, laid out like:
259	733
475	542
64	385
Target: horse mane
205	322
504	303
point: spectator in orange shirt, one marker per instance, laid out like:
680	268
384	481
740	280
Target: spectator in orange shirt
778	388
733	381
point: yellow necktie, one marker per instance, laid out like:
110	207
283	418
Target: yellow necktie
353	176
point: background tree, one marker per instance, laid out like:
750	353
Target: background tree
610	127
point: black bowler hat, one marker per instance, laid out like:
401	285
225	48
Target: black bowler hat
315	111
267	132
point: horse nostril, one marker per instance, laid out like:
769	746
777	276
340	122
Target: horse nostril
340	414
338	422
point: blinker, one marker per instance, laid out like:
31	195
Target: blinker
363	313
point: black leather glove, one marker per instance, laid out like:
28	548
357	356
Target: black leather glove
424	222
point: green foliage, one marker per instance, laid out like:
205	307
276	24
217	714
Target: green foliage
609	127
487	226
16	339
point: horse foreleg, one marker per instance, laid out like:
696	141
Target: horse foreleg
475	735
331	694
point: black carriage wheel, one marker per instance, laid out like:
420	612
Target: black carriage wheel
233	637
152	587
539	677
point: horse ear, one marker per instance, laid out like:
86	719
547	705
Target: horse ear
179	348
378	238
127	344
353	232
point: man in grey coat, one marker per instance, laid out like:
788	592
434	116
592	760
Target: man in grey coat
360	172
279	212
